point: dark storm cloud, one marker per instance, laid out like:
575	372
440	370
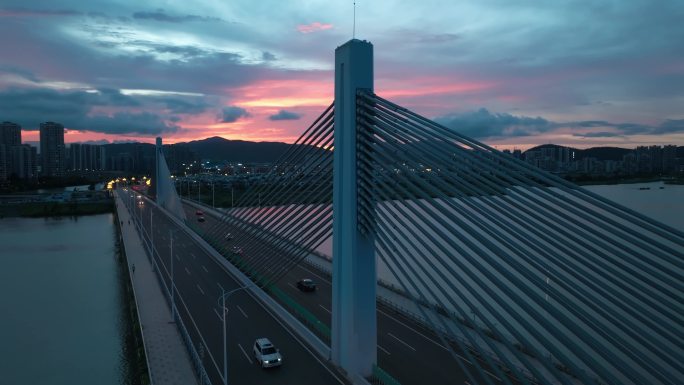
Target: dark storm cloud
285	115
484	124
601	134
267	56
26	12
161	15
232	114
138	68
74	109
670	126
184	106
22	73
144	124
113	97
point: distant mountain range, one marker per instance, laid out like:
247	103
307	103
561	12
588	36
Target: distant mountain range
220	149
600	153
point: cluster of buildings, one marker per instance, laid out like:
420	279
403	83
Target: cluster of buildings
665	160
55	159
22	160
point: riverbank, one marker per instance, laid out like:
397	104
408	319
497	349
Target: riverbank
614	181
134	344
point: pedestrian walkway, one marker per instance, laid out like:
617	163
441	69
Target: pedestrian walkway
167	357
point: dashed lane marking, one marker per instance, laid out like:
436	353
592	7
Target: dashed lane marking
241	311
383	349
398	339
245	353
324	308
205	268
200	289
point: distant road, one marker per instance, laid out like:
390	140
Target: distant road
406	350
199	279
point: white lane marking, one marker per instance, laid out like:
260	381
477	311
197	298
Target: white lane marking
324	308
177	257
291	285
218	315
296	338
383	349
397	338
187	271
205	269
245	353
413	330
193	256
200	289
241	311
220	287
321	278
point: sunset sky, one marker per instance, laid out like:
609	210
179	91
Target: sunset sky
510	73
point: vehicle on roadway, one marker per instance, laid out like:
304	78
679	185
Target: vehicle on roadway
199	212
306	284
200	219
236	250
229	236
265	354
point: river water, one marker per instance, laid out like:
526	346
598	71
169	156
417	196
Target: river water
63	315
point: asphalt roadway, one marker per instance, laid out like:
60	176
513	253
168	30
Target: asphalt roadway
199	281
406	350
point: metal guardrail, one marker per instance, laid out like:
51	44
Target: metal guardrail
381	377
196	359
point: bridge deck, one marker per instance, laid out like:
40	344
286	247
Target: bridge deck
168	359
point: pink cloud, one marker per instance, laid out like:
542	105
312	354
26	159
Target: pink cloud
313	27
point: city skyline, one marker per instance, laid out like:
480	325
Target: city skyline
512	75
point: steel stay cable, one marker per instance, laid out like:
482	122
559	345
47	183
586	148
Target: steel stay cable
581	230
584	317
608	205
240	216
523	305
436	271
427	154
294	155
637	239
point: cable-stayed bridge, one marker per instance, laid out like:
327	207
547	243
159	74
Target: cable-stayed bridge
518	276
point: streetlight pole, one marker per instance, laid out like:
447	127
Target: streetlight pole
199	189
173	287
213	200
225	294
151	234
231	196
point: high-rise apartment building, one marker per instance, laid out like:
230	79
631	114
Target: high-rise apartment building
85	157
23	161
52	149
10	136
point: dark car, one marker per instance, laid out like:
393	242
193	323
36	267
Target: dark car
306	284
200	219
199	212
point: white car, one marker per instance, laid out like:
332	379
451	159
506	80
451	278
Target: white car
265	354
